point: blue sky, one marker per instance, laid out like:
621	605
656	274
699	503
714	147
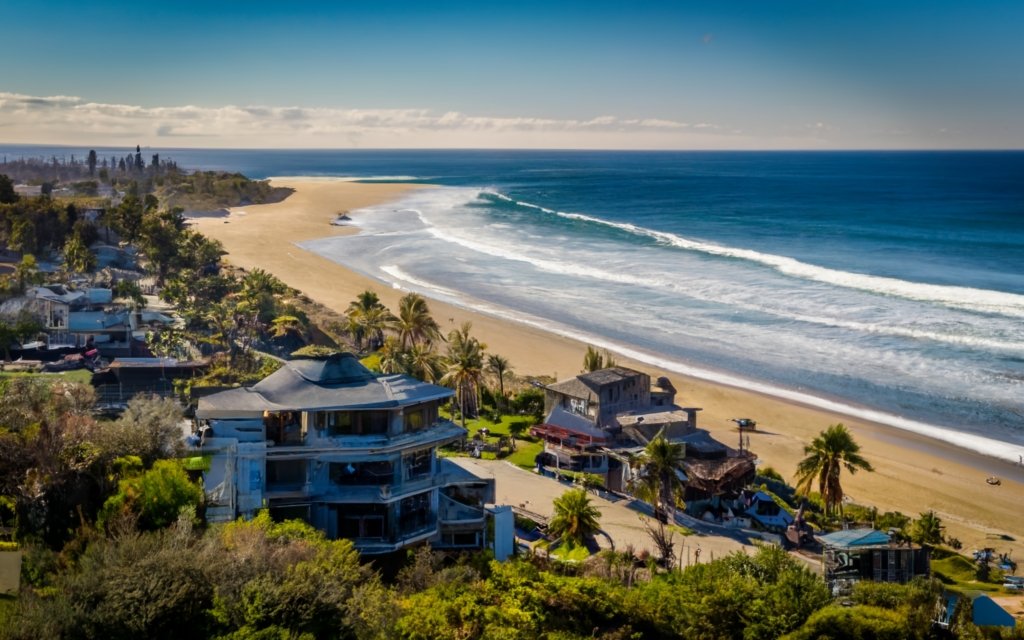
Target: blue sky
759	74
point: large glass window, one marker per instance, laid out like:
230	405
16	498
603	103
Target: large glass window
353	423
285	474
415	514
362	473
419	464
420	416
362	521
284	428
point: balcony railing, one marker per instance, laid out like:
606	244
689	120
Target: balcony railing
452	511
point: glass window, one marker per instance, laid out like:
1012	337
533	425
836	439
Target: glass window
362	521
362	473
286	472
419	464
420	416
374	422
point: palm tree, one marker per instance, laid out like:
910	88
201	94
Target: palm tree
465	369
660	480
373	322
414	325
26	272
499	366
927	530
592	360
827	454
575	518
392	358
424	363
363	303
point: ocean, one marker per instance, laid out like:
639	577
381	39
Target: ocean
888	285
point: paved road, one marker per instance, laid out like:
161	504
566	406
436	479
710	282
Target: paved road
621	519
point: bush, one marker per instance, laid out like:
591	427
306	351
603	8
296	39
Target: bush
853	623
156	497
529	402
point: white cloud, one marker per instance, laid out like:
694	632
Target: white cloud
72	120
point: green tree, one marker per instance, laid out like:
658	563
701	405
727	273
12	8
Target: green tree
92	161
364	302
414	324
465	369
592	360
372	323
23	237
660	481
129	217
130	291
7	193
8	337
859	622
49	464
425	363
20	328
26	272
286	325
575	519
826	456
392	358
156	497
927	530
77	257
499	366
149	428
159	240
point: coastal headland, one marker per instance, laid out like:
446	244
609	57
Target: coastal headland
912	474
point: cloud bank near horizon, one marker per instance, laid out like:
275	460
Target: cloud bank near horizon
62	119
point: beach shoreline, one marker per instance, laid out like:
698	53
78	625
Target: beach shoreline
914	473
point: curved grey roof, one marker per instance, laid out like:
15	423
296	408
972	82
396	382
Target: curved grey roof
340	368
339	382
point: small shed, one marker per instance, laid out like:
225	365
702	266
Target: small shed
869	554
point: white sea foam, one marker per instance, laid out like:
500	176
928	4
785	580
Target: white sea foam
551	266
346	178
399	275
958	297
952	296
970	441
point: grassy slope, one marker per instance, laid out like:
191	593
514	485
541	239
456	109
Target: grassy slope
81	376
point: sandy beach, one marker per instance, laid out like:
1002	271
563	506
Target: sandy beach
913	474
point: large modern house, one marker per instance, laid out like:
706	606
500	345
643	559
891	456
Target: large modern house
350	452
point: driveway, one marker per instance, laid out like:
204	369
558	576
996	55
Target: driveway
621	519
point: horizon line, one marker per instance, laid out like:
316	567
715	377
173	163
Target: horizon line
543	149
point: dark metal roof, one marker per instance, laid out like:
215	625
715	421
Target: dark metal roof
585	384
339	368
339	382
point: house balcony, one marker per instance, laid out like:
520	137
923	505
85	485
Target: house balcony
453	513
439	434
379	528
340	493
288	489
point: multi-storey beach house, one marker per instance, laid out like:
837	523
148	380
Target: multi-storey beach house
350	452
598	422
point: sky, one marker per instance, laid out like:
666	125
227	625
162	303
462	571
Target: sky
759	74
